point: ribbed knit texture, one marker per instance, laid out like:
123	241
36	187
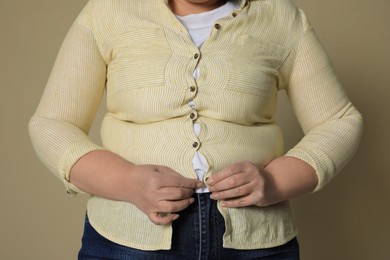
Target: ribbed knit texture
144	58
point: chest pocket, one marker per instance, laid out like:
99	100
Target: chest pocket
139	59
254	66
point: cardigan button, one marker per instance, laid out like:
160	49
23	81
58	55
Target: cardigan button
196	56
195	145
193	116
192	88
217	26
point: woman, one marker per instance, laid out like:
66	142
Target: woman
192	163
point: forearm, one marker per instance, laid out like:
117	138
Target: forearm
102	173
289	178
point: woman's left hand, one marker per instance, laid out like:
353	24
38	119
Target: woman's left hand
243	184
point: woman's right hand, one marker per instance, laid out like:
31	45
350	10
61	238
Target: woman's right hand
156	190
159	192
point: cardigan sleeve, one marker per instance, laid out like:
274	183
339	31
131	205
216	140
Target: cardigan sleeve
331	124
59	128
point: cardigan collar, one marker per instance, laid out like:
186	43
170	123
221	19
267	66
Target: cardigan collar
243	3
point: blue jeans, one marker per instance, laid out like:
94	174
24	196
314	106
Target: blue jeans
197	234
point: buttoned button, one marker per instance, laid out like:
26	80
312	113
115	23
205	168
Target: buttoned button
196	56
195	145
217	26
193	115
192	88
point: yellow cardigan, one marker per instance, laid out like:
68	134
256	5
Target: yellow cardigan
143	57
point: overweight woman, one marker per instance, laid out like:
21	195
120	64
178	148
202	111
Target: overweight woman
192	164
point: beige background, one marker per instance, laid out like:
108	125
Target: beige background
349	219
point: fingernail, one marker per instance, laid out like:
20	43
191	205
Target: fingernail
176	217
163	214
192	200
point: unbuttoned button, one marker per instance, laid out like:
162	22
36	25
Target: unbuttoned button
234	14
195	145
217	26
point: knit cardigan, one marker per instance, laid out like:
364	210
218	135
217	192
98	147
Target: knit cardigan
142	56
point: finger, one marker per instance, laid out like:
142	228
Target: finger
231	182
174	206
225	173
174	179
239	202
174	193
162	219
236	192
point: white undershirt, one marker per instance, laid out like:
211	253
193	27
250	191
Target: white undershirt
199	27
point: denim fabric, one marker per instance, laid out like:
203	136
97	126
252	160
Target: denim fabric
197	234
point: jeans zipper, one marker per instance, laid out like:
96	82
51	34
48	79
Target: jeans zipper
200	226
